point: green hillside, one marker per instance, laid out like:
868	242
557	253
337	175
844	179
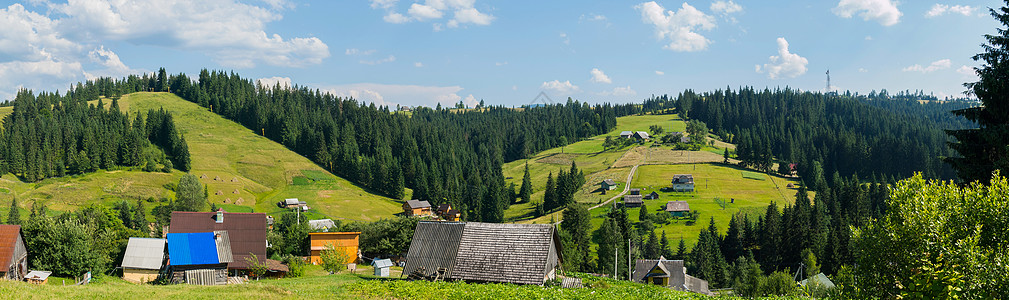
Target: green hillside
6	110
243	172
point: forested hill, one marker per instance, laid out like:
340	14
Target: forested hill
446	156
824	134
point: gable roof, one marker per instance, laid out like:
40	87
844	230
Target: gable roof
197	248
321	224
417	204
609	182
683	178
9	235
633	198
513	253
627	133
246	232
382	263
672	268
144	253
641	134
818	279
677	206
635	191
223	242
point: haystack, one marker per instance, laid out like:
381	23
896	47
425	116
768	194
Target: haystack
790	186
235	192
234	179
227	200
204	176
217	178
219	192
239	201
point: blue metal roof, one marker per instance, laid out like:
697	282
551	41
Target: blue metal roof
196	248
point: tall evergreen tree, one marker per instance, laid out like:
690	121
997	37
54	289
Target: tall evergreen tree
13	215
526	191
577	225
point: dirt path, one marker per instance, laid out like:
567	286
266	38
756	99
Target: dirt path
627	187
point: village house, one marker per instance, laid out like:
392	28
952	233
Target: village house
683	183
446	213
323	225
199	258
416	208
652	196
668	273
484	252
633	201
626	134
641	135
13	254
608	184
293	203
144	259
635	191
678	209
346	242
247	232
381	267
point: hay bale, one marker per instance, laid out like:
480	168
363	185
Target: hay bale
219	192
239	201
235	192
227	200
234	179
204	176
217	178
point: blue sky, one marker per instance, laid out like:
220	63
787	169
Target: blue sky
423	52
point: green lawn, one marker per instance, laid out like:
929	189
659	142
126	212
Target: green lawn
241	169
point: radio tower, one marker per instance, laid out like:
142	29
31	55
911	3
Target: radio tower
828	81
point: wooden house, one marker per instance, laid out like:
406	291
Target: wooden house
633	201
293	203
641	135
13	253
381	267
626	134
199	258
416	208
677	209
668	273
683	183
446	213
634	192
652	196
38	277
247	232
484	252
347	242
608	184
144	259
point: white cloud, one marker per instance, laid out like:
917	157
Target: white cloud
725	7
679	27
501	63
883	11
660	73
868	38
592	17
463	12
966	71
941	64
470	101
565	38
599	77
392	94
390	58
560	87
231	33
862	70
418	64
941	9
279	4
355	51
620	92
110	60
785	64
285	82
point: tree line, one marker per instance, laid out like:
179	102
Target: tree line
445	156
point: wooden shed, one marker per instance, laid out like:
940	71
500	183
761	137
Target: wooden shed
342	241
13	254
144	259
38	277
382	267
199	258
485	252
608	184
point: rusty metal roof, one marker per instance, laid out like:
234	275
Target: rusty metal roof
246	232
8	241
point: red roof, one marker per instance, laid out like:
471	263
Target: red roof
247	232
8	241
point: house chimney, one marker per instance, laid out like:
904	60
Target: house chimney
220	216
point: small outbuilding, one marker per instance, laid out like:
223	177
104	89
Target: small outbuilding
819	280
678	209
446	213
144	259
324	224
382	267
415	208
608	184
293	203
626	134
199	258
668	273
346	242
633	201
13	254
652	196
38	277
641	135
635	192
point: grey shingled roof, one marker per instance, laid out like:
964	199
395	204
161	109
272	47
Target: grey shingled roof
633	198
513	253
223	242
418	203
144	253
677	206
609	182
321	224
683	178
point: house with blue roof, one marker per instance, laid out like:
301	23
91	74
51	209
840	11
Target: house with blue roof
199	258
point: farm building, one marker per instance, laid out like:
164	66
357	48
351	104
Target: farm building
323	224
144	259
683	183
484	252
382	267
652	196
38	277
668	273
412	208
608	184
818	280
641	135
633	201
13	254
626	134
247	232
678	209
635	192
446	213
199	258
343	241
293	203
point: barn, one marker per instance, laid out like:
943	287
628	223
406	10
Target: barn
144	259
247	232
199	258
13	254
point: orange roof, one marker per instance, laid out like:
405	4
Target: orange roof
8	240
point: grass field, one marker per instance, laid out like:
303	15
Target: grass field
239	167
6	110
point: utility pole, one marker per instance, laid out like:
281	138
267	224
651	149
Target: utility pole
628	259
614	263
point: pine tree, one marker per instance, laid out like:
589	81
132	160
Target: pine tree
13	215
643	213
577	225
652	248
681	250
665	248
140	217
549	194
526	191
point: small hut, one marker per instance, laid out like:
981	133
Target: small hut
144	259
13	254
381	267
38	277
791	186
199	258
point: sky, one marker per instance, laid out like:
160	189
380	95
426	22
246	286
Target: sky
425	52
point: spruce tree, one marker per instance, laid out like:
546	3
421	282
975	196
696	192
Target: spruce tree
549	194
14	216
652	248
681	250
643	213
526	191
666	248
